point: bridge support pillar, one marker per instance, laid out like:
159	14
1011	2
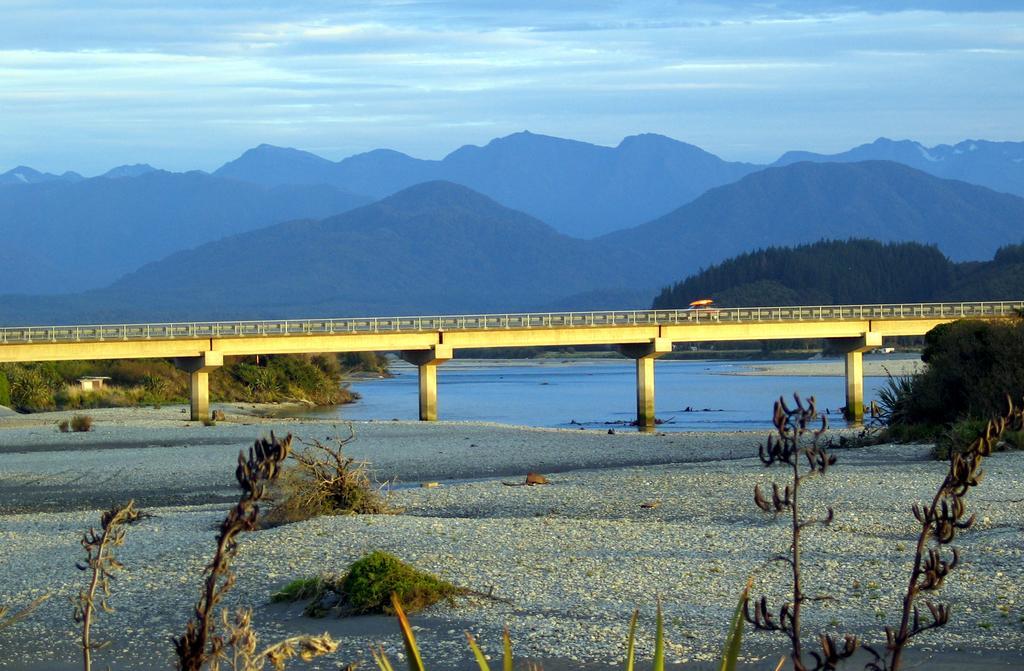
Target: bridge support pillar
855	348
199	369
427	362
645	354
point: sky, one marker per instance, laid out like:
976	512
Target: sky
89	84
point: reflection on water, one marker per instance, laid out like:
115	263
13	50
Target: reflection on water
690	395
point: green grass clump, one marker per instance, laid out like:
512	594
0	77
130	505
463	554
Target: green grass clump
367	588
371	581
301	589
5	390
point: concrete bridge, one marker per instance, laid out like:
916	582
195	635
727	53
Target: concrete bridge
427	342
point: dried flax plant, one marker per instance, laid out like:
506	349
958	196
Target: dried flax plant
789	446
8	618
102	564
201	645
940	522
243	643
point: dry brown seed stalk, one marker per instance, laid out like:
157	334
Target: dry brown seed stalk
940	522
200	643
242	642
101	563
20	614
788	446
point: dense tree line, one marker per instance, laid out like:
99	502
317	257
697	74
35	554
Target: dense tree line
850	272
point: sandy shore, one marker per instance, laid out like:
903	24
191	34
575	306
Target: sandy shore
574	557
874	366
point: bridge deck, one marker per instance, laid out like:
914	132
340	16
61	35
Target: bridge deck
644	335
486	322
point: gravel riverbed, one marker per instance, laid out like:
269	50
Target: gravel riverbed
573	557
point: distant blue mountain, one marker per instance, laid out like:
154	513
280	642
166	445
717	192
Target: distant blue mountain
997	165
92	231
580	189
440	247
26	175
806	202
122	171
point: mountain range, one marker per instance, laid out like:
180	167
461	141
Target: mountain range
805	202
997	165
86	233
441	247
580	189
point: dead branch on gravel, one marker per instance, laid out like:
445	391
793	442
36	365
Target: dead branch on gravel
324	481
786	446
940	522
202	645
102	564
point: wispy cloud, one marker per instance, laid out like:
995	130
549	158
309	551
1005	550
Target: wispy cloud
90	83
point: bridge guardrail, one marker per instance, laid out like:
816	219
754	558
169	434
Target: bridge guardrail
289	327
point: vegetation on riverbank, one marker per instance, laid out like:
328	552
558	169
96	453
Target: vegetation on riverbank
973	366
313	378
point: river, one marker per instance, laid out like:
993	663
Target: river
690	395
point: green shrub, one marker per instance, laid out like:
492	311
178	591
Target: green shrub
367	587
5	390
263	383
972	366
894	398
371	581
31	389
370	362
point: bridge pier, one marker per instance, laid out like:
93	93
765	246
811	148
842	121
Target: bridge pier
199	369
645	354
427	362
855	348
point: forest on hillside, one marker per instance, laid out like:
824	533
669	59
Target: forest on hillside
850	272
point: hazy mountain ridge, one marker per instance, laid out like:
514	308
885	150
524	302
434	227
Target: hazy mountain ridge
433	247
997	165
26	175
579	188
440	247
806	202
93	231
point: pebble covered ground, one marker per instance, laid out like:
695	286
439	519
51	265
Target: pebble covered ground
573	558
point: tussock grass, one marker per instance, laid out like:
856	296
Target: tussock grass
81	423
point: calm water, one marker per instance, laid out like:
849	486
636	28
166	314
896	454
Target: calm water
594	394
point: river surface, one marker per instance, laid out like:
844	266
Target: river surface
690	395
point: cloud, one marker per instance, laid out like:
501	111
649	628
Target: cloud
89	83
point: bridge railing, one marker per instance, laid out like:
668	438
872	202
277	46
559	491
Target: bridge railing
299	327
